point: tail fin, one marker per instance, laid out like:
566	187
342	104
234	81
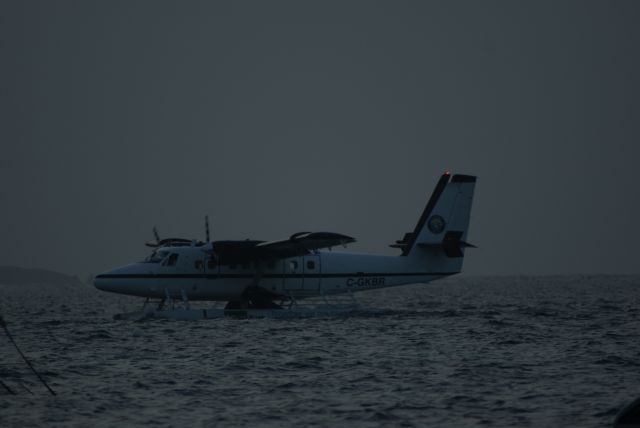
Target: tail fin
445	220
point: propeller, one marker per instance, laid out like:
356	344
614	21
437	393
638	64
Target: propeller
208	246
165	242
156	243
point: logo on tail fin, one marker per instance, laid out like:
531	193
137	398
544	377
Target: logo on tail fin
436	224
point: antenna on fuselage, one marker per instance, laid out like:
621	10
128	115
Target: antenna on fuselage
208	245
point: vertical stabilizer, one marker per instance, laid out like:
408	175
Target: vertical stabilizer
444	223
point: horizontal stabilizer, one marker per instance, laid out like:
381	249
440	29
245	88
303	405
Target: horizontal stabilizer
402	243
451	244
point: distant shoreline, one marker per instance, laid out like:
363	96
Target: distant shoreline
22	276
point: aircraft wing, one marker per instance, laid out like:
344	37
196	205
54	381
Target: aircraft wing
301	243
298	244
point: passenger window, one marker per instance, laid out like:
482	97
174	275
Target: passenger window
311	264
211	264
246	265
293	265
172	260
198	264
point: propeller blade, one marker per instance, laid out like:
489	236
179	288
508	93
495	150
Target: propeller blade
156	243
208	248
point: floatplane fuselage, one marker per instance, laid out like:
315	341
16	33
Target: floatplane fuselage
257	274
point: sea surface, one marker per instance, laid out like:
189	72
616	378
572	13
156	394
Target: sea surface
468	351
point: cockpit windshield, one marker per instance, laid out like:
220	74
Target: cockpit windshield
156	257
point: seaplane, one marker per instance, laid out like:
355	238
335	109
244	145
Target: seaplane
263	278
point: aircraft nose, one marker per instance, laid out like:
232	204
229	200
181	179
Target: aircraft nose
122	280
111	280
101	282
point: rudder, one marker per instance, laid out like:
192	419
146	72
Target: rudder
444	223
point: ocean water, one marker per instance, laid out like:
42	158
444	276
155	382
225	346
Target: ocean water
466	351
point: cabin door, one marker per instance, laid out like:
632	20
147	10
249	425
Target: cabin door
312	273
293	273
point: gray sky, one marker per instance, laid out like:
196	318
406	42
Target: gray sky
278	117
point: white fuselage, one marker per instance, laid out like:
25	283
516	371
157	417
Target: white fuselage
321	273
179	268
